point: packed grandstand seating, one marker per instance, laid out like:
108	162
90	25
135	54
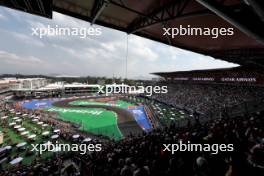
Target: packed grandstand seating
143	154
206	98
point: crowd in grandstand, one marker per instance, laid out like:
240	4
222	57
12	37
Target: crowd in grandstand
144	155
204	98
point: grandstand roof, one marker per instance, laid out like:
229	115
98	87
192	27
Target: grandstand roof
147	18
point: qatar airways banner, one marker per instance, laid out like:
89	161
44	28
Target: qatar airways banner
213	79
239	79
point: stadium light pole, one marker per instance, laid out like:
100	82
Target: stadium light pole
126	57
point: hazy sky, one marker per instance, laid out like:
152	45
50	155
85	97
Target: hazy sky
104	55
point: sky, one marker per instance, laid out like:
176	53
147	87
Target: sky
104	55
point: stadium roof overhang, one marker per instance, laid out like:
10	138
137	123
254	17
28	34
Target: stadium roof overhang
148	18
